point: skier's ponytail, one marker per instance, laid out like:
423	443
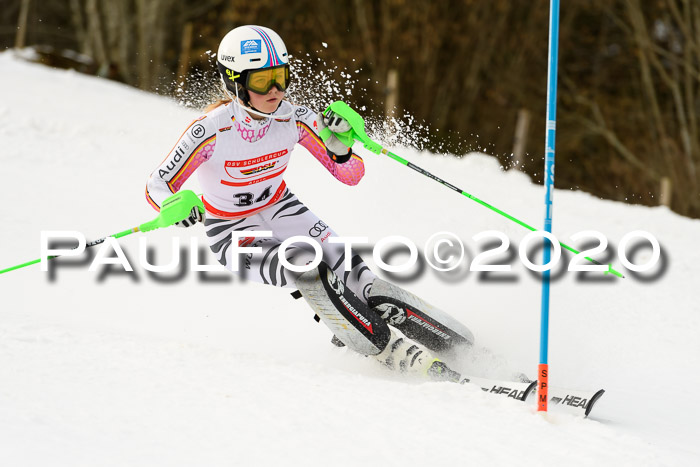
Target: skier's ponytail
216	104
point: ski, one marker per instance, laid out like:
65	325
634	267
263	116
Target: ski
514	389
574	401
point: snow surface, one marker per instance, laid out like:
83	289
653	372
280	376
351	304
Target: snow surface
114	368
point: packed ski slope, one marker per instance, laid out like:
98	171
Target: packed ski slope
117	368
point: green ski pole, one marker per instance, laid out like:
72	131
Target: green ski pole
176	208
357	132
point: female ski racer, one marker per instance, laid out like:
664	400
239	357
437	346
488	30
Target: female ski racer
240	149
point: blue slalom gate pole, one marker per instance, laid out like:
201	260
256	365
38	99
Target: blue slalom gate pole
543	370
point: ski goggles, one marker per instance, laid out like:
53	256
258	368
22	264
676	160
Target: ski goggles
261	81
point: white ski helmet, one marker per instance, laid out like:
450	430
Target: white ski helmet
246	49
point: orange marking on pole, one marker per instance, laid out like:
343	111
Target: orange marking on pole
542	386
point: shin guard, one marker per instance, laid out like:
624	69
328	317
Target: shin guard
417	319
352	322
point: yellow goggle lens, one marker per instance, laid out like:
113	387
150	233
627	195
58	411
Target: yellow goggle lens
261	81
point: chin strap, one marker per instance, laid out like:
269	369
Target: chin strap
250	109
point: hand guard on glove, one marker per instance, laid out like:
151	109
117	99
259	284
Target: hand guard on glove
336	150
194	217
335	122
